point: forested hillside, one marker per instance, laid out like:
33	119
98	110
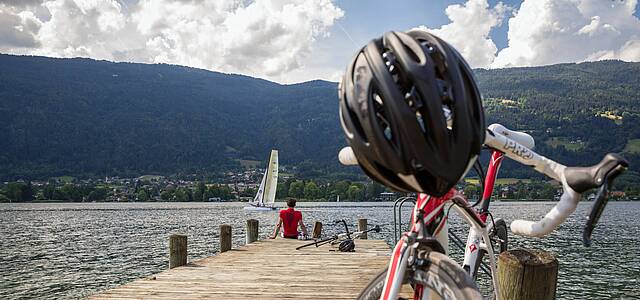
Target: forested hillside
576	112
97	118
87	118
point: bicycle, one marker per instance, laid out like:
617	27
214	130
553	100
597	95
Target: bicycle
345	239
419	257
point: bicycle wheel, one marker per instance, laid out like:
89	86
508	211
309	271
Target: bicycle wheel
443	277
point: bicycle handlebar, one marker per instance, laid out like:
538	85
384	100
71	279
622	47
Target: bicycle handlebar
556	216
574	181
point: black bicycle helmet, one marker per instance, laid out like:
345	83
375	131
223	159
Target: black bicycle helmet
347	246
411	112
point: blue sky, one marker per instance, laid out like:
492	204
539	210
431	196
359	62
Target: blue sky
370	18
364	20
291	41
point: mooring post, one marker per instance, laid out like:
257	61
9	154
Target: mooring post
252	231
527	274
225	238
317	230
177	250
362	226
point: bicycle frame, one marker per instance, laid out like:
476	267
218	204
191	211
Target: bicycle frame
474	246
430	210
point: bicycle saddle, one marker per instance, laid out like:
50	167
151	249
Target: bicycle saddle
522	138
582	179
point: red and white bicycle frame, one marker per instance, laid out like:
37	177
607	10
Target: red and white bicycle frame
433	207
515	145
474	244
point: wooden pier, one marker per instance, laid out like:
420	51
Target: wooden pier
265	269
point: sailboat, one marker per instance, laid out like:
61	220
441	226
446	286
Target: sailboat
267	191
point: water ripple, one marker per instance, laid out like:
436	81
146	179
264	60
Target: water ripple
72	250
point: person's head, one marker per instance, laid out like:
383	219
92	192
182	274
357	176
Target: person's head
291	202
411	112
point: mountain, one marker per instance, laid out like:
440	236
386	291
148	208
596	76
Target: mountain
575	112
97	118
94	118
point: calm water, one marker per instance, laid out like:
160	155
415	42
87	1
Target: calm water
74	250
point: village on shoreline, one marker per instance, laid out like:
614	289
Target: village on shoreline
242	186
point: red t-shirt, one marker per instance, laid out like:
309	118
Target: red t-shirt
290	219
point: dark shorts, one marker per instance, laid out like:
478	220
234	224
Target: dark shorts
290	236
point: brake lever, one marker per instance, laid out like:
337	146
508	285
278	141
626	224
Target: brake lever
602	198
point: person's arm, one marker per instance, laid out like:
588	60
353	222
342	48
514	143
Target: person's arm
277	229
304	229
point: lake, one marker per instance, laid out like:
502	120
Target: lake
71	250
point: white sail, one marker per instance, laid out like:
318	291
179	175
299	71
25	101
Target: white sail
271	183
266	194
258	200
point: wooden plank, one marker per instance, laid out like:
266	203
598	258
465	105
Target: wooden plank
267	269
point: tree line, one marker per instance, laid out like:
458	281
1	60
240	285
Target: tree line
329	190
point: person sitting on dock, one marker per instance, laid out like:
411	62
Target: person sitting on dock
290	218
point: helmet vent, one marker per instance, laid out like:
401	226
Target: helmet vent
448	116
383	122
435	55
357	125
427	46
390	61
413	99
420	121
444	89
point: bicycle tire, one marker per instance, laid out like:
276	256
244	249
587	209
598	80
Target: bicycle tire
443	276
502	233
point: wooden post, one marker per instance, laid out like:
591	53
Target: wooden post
252	231
362	226
317	230
177	250
527	274
225	238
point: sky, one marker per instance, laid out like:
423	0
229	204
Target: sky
290	41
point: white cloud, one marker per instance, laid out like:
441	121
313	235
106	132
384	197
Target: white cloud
469	30
81	28
18	28
554	31
264	38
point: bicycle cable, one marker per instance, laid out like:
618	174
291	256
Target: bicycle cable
494	228
477	166
492	221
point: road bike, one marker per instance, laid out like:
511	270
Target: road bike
419	256
344	240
